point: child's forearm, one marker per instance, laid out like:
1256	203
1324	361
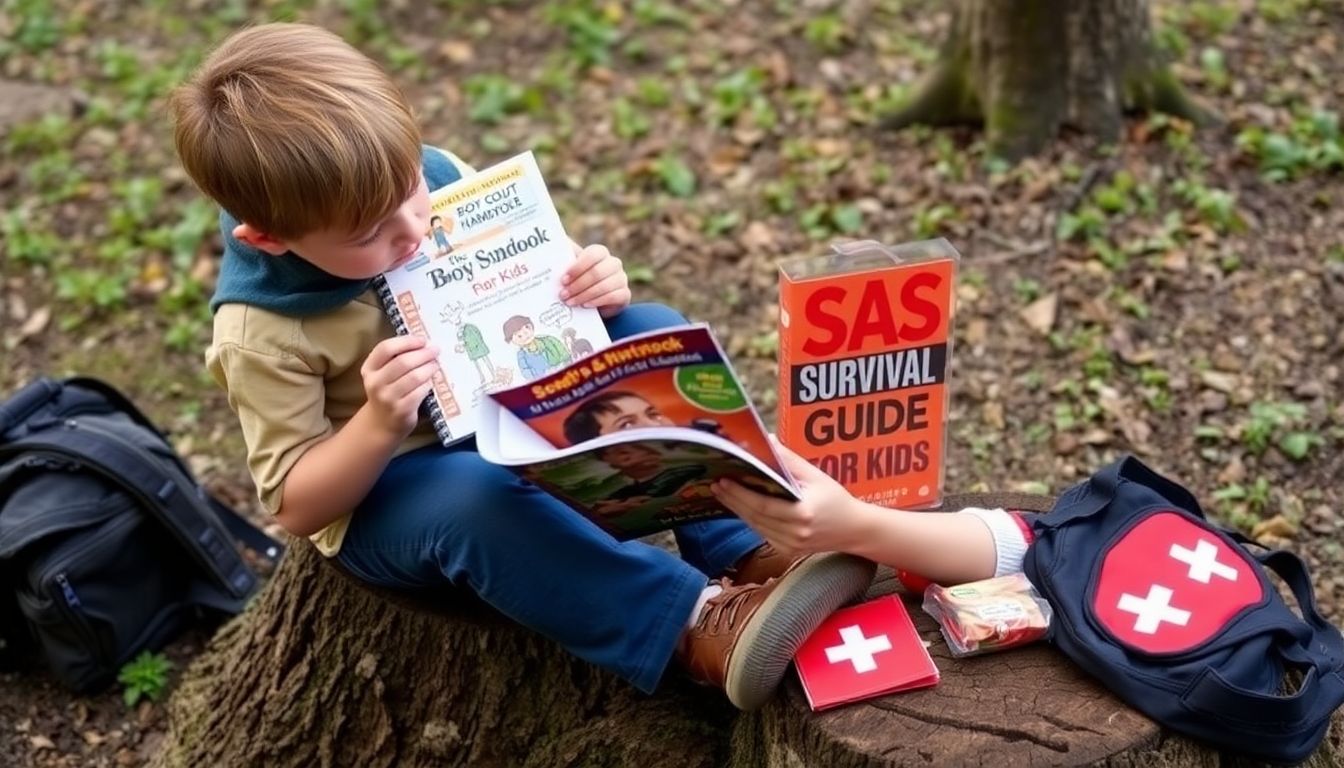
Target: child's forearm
333	476
948	548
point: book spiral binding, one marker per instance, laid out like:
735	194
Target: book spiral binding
431	404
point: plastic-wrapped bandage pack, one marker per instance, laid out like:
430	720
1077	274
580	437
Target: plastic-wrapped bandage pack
990	615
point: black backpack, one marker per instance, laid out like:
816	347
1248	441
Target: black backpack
108	545
1177	617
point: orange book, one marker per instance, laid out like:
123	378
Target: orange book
865	346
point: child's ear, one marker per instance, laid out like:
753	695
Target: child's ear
246	233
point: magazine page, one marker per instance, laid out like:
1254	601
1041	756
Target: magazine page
633	436
632	482
485	289
672	377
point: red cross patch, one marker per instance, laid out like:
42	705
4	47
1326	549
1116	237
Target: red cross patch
1169	585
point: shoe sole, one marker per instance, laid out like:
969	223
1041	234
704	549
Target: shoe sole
802	599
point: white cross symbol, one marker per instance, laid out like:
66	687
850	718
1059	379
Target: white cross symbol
857	649
1203	561
1153	609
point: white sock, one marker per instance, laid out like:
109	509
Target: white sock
705	595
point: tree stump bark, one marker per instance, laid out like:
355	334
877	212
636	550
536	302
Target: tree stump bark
1024	68
325	671
1027	707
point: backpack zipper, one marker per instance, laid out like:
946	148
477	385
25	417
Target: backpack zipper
74	607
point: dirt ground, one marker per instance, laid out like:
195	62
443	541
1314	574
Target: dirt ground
1176	295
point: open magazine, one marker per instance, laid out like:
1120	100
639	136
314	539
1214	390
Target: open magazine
633	435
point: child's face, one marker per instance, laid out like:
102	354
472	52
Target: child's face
523	336
628	413
361	255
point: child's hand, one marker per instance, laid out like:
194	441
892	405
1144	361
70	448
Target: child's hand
396	379
596	279
827	519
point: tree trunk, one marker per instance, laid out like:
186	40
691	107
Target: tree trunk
325	671
1025	68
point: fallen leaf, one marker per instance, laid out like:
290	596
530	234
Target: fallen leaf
1277	526
35	324
1039	315
41	742
1223	382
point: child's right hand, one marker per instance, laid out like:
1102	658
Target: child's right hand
827	518
397	376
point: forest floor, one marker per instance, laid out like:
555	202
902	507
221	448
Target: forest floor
1177	294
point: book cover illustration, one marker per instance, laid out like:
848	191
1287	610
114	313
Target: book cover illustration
632	436
485	289
865	345
866	650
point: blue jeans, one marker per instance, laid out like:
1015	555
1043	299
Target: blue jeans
445	515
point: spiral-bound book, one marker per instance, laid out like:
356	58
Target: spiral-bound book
485	289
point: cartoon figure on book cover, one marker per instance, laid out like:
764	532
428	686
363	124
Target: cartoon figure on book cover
649	477
537	354
471	341
439	229
577	347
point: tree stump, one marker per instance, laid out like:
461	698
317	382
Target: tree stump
1029	706
322	670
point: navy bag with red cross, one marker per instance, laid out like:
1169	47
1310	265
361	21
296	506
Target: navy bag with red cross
1178	618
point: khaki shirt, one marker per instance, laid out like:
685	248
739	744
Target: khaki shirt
294	381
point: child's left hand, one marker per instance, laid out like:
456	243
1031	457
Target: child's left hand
596	279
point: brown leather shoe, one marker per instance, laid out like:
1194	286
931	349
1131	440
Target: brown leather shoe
747	635
760	565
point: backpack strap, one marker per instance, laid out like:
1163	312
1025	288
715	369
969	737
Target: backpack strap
1090	496
171	496
25	402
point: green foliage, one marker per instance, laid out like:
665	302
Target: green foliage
590	29
1280	423
743	90
628	121
1215	207
827	32
929	220
492	97
823	220
38	26
25	241
145	676
1312	144
675	175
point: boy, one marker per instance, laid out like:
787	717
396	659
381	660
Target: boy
314	157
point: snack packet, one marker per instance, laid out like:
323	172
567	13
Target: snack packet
990	615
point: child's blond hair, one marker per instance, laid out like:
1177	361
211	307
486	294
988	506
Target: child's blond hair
292	130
